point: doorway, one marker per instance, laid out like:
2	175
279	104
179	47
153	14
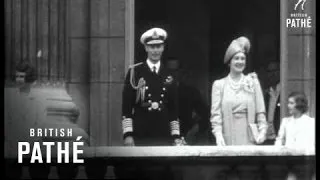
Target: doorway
199	32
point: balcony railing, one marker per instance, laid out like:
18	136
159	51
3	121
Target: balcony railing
264	160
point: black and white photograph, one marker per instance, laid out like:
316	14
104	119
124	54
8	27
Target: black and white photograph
160	89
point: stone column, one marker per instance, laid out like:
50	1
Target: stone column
107	60
78	58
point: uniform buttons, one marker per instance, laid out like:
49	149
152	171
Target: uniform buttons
149	101
160	102
149	108
164	89
159	109
149	95
161	95
147	87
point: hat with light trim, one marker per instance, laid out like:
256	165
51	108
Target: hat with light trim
153	36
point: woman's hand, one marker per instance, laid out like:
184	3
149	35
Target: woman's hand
278	143
263	128
261	138
128	141
220	140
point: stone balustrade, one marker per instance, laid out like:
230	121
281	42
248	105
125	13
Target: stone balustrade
41	105
204	162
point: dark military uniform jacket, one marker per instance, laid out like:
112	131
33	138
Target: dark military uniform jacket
149	106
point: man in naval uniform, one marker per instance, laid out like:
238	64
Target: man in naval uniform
149	107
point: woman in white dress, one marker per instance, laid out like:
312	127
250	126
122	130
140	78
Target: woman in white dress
237	105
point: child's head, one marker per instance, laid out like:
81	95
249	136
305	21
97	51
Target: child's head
297	103
25	72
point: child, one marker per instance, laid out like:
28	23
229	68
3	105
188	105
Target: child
298	130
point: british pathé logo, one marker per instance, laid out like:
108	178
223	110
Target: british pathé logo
300	2
297	18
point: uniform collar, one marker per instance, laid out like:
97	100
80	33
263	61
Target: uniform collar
151	65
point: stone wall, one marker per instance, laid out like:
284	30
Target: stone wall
299	54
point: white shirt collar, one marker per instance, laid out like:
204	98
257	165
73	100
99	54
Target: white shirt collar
151	65
302	117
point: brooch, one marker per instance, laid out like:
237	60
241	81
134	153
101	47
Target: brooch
248	83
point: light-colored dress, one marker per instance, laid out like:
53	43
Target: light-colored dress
297	132
232	109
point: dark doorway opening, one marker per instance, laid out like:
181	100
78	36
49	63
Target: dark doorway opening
199	33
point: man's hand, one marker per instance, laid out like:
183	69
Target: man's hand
178	142
128	141
220	140
271	133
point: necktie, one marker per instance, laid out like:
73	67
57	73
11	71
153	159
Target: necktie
154	69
